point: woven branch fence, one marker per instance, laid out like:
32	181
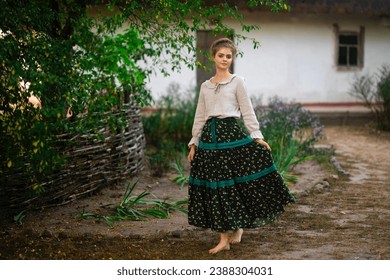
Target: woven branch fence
91	164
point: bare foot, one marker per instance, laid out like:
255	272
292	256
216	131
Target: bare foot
220	247
236	236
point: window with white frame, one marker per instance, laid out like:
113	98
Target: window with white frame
349	48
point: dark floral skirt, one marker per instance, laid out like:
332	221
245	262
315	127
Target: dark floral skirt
233	181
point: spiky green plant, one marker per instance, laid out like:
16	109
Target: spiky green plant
19	217
181	179
287	155
138	207
291	132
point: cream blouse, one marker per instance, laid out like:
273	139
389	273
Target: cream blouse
222	100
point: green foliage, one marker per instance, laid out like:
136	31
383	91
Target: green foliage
374	91
291	132
182	178
18	218
71	57
287	153
171	123
170	26
160	161
138	207
168	128
48	50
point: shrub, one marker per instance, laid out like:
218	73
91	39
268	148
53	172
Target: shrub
291	132
374	91
173	119
168	129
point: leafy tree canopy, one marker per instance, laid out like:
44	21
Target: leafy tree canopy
81	60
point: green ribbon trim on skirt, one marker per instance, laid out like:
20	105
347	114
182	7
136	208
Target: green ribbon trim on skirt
213	130
231	182
225	145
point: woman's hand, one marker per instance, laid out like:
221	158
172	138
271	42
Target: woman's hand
191	154
262	142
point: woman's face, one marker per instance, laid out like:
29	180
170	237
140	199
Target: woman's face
223	58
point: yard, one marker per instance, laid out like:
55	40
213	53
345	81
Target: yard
336	217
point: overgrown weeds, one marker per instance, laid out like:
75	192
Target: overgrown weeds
138	207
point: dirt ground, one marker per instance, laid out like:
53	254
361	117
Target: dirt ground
336	216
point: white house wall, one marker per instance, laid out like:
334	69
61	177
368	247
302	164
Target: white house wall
296	60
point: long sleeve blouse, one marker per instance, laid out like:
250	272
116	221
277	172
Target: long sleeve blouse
222	100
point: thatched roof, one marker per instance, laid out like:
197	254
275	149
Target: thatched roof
346	7
343	7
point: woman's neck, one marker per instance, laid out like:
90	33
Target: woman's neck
221	76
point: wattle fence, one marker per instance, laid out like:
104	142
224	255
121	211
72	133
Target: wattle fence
91	164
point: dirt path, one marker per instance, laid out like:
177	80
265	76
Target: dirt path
345	219
351	221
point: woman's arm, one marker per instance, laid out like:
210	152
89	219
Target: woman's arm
199	120
247	111
248	114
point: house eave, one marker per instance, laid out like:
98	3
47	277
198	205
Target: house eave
336	7
341	7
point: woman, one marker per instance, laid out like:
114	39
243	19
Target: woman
233	181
